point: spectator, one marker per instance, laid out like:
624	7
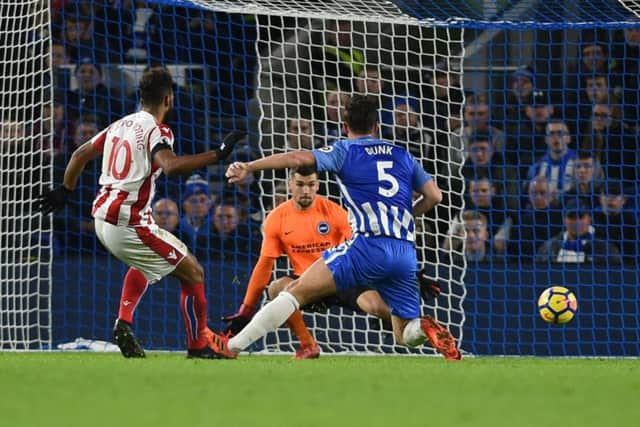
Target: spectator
482	198
86	129
408	131
12	136
75	224
614	143
520	88
92	96
556	165
300	134
59	60
165	214
477	246
579	242
78	35
370	82
483	161
196	206
615	224
231	236
526	139
142	33
335	102
586	180
442	101
477	119
537	222
594	61
596	90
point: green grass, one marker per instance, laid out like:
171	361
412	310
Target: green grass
84	389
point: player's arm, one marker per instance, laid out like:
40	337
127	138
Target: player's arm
424	184
431	196
172	164
79	159
55	199
237	171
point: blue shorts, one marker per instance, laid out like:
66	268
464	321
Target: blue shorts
385	264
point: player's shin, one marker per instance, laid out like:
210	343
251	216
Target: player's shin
135	284
266	320
193	304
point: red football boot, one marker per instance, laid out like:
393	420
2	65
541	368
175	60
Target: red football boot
216	347
440	338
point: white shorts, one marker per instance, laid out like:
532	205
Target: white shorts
150	249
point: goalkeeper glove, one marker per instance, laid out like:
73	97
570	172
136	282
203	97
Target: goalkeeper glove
429	288
228	143
237	321
52	200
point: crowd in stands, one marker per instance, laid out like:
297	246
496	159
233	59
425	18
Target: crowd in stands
550	173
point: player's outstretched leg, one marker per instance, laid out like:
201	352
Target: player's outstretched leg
123	335
440	338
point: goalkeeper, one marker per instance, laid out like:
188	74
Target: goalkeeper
302	228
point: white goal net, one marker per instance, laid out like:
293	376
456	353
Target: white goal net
306	70
25	169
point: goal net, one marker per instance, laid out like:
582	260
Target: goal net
525	113
25	164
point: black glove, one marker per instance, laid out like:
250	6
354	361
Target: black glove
52	200
429	287
228	143
237	321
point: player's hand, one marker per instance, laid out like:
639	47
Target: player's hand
228	144
237	321
237	171
429	287
52	200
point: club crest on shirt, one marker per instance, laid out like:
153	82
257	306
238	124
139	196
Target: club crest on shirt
323	227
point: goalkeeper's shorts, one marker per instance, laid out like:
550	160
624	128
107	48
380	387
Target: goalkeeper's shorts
386	264
150	249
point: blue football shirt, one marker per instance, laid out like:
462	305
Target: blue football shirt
377	180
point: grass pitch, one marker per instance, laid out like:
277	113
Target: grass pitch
84	389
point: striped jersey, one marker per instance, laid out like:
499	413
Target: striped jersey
128	178
559	173
377	180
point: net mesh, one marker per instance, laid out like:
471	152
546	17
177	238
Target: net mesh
25	162
525	112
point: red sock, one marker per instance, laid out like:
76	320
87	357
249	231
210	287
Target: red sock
132	290
193	304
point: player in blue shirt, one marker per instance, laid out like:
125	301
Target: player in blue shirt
377	180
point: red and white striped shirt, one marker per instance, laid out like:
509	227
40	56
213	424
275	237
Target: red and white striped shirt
128	179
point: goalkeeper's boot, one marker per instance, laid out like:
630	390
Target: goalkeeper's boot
307	352
216	347
440	338
123	335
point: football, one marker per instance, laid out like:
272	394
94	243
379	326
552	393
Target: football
557	305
